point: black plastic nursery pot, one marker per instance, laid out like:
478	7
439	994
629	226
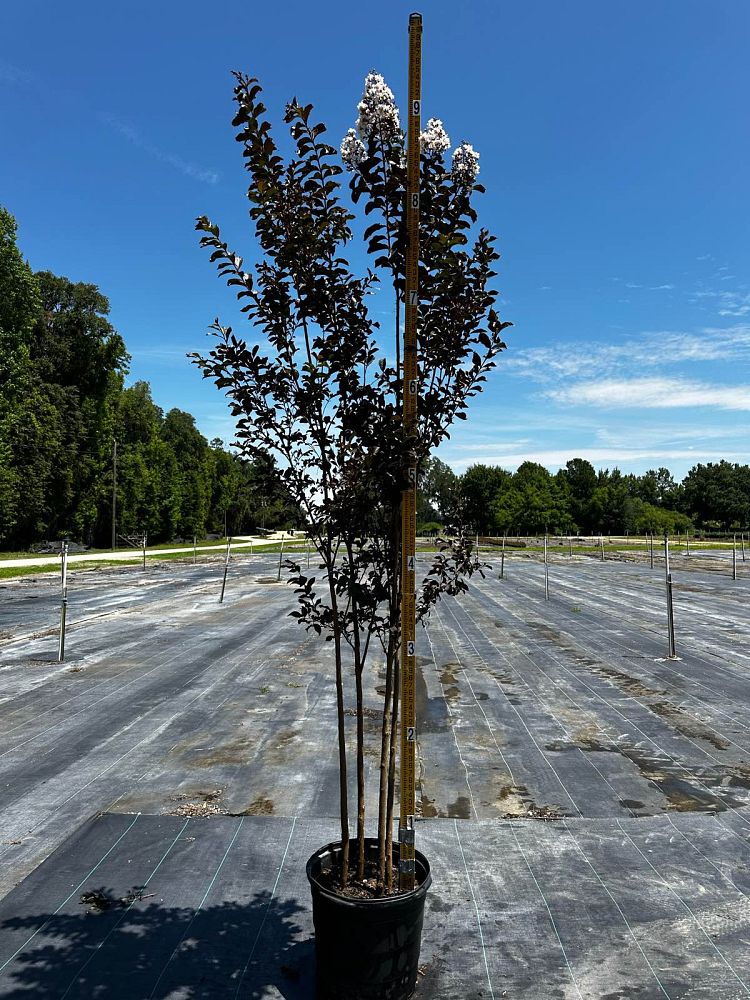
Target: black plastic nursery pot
366	949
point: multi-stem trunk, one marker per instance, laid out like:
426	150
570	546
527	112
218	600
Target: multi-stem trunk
340	717
386	738
385	814
358	667
392	763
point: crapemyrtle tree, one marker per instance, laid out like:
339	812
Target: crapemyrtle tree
325	397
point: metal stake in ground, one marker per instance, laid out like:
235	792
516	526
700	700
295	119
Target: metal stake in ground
143	540
670	607
687	543
195	550
601	548
410	390
570	546
546	571
502	560
734	558
307	550
651	547
281	556
64	600
742	541
226	567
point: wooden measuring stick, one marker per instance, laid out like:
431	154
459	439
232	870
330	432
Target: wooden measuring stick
410	390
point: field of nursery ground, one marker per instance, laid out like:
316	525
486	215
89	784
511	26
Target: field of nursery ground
583	799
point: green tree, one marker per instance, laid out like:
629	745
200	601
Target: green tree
479	487
20	305
581	480
439	494
718	492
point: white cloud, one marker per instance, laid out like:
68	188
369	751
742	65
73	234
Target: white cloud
652	393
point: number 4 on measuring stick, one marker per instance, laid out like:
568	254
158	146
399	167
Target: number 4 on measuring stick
411	563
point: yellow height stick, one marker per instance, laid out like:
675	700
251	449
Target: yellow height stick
409	495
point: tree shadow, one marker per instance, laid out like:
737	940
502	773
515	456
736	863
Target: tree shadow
130	948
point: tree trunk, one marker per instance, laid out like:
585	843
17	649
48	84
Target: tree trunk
392	764
341	725
358	667
385	759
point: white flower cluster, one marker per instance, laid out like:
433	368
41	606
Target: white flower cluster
465	164
434	139
352	150
377	110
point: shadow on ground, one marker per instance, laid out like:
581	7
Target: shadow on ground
122	949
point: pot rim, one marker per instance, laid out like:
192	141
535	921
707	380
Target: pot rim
372	901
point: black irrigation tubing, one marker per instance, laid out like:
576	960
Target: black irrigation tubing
149	735
584	756
692	777
606	648
664	881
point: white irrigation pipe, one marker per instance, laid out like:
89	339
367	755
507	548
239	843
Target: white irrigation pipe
63	601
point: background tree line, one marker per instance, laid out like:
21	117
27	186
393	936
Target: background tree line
578	499
63	405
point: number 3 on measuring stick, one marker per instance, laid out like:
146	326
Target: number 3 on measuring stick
410	647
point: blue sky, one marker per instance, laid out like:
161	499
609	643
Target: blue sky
614	146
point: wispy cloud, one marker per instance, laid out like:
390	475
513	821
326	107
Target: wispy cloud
173	160
730	302
33	83
652	350
652	393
